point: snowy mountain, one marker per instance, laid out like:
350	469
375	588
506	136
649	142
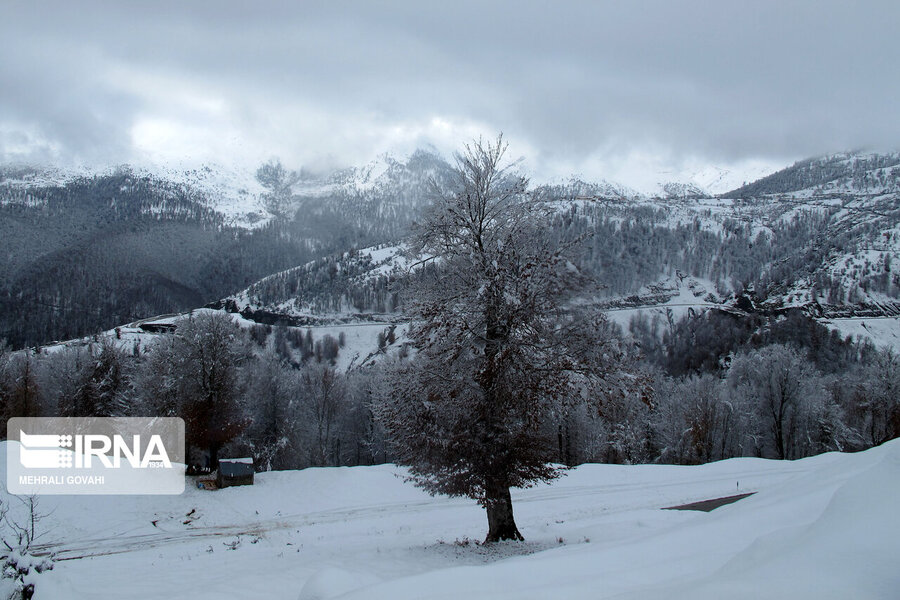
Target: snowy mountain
386	188
86	250
230	192
382	197
821	236
826	249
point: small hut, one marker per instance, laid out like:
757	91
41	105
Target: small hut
234	471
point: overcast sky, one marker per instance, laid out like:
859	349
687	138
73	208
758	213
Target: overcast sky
603	89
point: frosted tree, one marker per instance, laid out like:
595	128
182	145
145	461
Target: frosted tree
102	387
271	436
501	349
324	398
196	374
697	421
793	411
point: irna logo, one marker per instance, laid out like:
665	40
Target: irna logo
95	455
52	451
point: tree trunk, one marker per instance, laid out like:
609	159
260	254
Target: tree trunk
501	525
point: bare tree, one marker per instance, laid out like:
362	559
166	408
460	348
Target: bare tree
325	398
794	412
501	350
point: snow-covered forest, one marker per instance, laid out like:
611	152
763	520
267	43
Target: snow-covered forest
710	384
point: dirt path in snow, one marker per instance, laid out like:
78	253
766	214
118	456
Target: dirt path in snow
708	505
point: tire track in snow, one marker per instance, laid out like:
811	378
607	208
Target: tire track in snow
119	544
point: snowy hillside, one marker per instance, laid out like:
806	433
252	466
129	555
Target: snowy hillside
352	286
360	339
852	201
230	191
845	173
820	236
821	527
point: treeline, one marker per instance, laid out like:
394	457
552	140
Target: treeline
724	386
268	392
771	402
711	387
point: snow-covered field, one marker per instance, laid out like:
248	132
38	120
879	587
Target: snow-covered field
824	527
684	296
884	332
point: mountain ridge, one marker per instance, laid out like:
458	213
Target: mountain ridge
821	234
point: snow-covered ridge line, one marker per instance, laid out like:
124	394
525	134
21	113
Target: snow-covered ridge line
299	289
234	194
844	173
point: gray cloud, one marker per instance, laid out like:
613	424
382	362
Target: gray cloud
572	84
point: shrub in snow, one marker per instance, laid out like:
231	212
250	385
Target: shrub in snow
19	563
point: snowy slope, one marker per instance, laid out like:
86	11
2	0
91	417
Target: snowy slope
671	298
884	332
321	290
230	191
822	527
360	338
719	180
